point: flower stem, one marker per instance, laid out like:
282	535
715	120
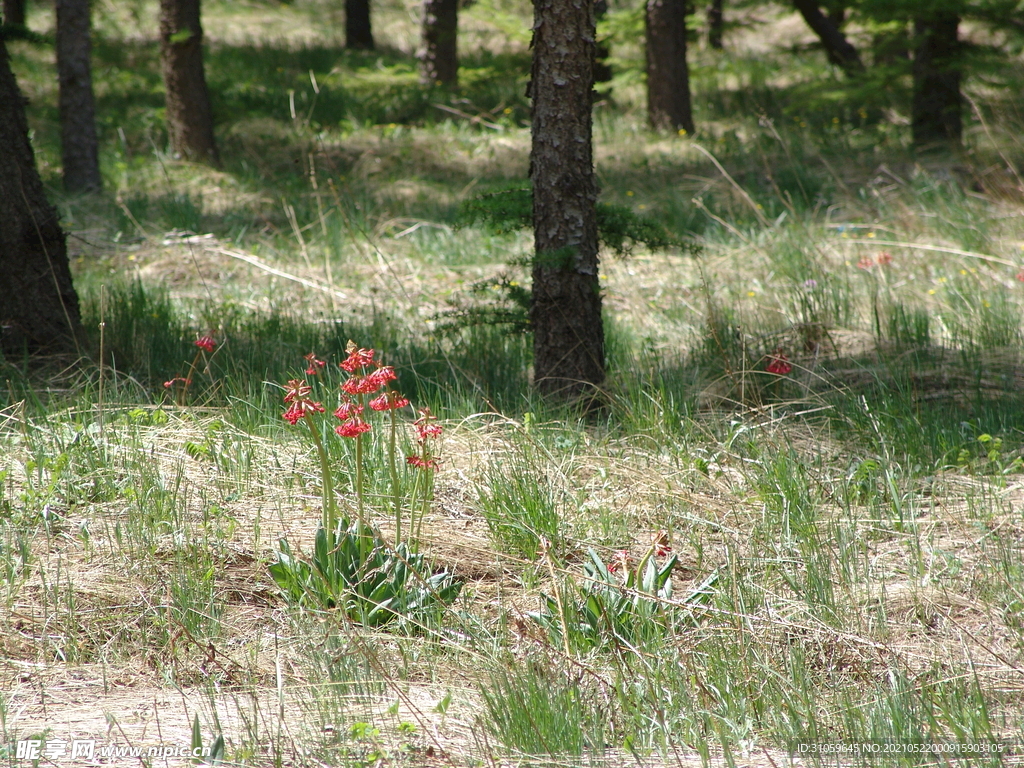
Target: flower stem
394	480
188	379
327	482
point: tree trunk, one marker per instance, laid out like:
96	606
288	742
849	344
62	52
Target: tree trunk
80	149
937	103
14	12
668	75
839	50
716	22
358	33
189	117
565	310
440	58
38	305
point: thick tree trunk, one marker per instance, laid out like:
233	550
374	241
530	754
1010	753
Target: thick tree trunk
565	312
358	33
440	57
38	305
668	75
14	12
937	103
716	23
839	50
80	148
189	117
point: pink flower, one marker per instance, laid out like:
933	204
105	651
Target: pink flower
348	411
352	428
779	363
865	263
206	342
388	401
884	258
296	389
314	364
419	461
357	358
176	379
1020	276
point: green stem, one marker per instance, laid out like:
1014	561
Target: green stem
327	482
359	480
188	379
394	481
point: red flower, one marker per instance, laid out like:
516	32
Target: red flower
662	545
388	401
206	342
362	385
884	258
620	561
865	263
314	364
294	413
383	375
296	390
419	461
352	428
424	428
348	411
1020	276
300	408
357	358
779	363
172	382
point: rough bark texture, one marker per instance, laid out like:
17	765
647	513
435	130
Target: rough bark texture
565	313
358	33
14	12
716	22
937	103
668	75
440	57
839	50
189	117
79	145
38	305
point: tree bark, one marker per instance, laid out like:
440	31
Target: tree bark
79	145
716	23
440	57
565	310
358	33
189	117
14	12
38	306
839	50
668	75
937	102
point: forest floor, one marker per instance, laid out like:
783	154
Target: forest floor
792	534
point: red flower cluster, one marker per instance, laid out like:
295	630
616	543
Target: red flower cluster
1020	276
778	363
357	358
367	385
314	364
352	423
619	562
425	431
884	258
296	394
388	401
662	544
206	342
